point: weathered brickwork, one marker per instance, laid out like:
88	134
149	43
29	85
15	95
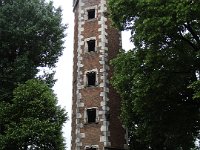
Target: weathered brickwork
106	131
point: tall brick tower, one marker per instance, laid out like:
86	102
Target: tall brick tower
95	106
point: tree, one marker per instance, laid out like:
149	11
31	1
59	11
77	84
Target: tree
159	79
31	36
37	120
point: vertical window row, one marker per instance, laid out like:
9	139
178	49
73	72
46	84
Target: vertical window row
90	77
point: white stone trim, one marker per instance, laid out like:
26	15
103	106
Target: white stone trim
86	45
86	117
104	75
81	135
80	104
79	74
101	80
86	12
85	81
92	146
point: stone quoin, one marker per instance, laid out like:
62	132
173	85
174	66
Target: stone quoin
95	104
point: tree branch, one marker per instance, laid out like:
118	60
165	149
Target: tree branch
189	42
190	29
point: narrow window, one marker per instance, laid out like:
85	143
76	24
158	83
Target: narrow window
91	148
91	115
91	45
91	78
91	14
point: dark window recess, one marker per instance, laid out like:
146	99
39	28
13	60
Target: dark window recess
91	45
91	77
91	149
91	14
91	114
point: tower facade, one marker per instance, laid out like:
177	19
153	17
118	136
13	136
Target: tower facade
95	104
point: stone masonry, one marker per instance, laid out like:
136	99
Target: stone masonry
95	104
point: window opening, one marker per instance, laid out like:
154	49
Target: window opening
91	149
91	45
91	14
91	114
91	77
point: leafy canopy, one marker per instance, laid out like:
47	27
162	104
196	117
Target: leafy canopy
37	120
31	35
158	79
31	38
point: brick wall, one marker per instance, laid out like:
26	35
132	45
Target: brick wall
74	97
105	132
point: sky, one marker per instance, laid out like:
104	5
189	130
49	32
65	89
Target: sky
63	86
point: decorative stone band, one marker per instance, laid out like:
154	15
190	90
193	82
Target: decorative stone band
79	74
103	61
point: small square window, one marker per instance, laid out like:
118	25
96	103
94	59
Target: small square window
91	78
91	45
91	115
91	14
91	148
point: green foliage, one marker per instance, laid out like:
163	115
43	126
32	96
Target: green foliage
156	103
37	121
158	79
31	36
196	87
158	23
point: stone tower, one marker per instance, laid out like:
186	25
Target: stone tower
95	105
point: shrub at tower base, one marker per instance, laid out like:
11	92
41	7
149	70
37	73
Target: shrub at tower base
159	79
31	37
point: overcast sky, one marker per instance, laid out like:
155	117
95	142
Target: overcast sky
63	86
